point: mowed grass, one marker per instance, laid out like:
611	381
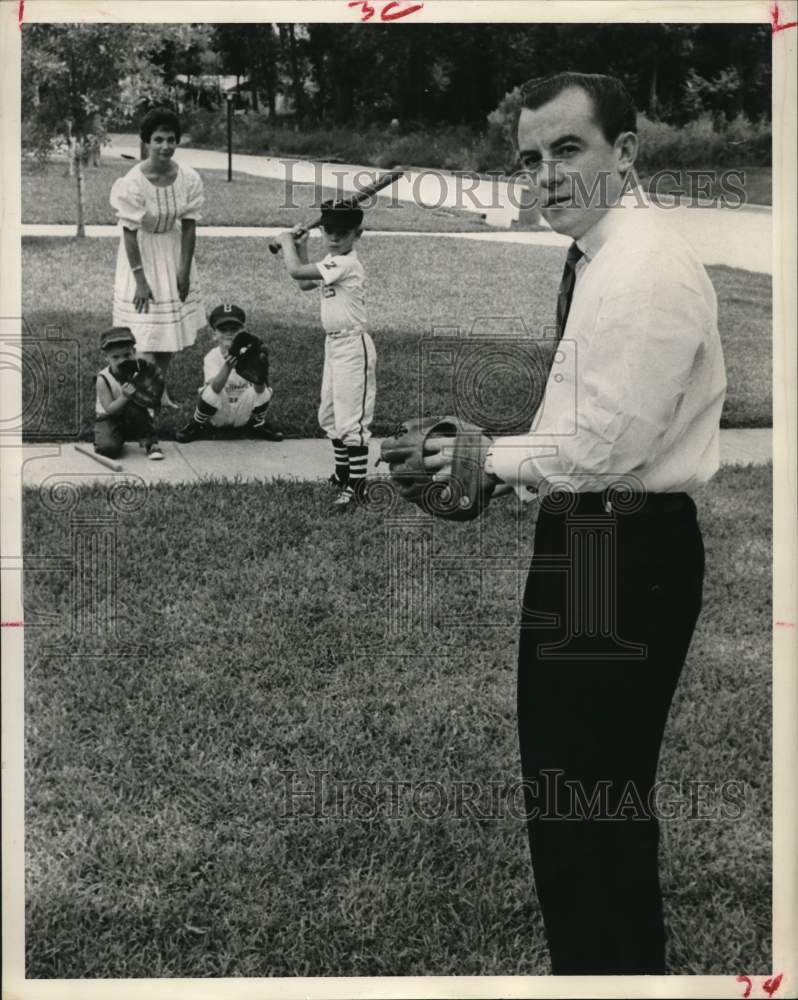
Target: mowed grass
423	293
167	833
49	195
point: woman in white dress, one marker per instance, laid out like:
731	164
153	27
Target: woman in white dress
157	291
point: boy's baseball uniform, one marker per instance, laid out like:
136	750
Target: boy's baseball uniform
235	403
349	385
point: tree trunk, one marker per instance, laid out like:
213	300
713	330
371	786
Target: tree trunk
296	83
81	231
70	141
653	101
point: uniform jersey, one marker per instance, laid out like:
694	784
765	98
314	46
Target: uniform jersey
343	302
235	386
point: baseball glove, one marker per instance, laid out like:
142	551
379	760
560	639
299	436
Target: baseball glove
461	496
252	358
146	379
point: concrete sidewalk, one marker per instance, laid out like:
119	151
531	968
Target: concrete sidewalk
546	239
306	459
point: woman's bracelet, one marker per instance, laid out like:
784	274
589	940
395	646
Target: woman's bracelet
138	267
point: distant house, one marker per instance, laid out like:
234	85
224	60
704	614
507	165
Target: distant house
201	90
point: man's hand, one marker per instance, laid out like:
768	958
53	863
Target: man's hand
438	464
438	454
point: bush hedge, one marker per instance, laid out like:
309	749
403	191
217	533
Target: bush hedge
704	142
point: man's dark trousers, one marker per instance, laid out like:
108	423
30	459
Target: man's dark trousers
610	606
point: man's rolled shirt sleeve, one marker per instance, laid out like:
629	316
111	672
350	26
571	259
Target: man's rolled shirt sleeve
614	412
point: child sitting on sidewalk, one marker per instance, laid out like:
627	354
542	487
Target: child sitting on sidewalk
128	393
227	399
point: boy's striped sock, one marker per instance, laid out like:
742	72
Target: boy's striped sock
203	412
358	462
341	462
258	416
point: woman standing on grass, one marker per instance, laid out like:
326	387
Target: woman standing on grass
157	290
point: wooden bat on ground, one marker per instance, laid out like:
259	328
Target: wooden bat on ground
354	199
107	462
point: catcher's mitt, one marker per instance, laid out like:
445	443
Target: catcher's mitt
464	494
252	358
146	379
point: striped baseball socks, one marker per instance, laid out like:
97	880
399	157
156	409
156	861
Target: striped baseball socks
358	461
341	462
258	417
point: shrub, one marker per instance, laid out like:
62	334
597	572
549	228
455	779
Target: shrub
701	143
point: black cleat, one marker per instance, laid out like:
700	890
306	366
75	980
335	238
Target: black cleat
264	432
345	501
190	432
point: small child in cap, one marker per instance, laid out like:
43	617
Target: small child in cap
119	416
226	398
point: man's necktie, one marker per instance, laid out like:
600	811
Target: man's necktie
566	292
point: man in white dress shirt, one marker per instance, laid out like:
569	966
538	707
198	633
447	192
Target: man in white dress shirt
615	585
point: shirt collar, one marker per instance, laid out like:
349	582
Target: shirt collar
612	220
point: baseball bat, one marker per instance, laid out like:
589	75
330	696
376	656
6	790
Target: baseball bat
107	462
355	199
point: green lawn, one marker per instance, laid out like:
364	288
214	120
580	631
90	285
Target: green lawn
161	840
415	285
49	196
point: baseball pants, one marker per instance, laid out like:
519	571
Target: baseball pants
610	606
238	413
348	388
133	424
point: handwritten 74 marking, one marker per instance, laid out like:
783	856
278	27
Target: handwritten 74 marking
769	986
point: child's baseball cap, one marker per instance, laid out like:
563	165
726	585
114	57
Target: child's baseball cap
341	215
228	316
115	337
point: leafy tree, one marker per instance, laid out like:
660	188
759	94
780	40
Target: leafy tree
72	77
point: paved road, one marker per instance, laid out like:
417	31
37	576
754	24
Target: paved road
308	459
736	237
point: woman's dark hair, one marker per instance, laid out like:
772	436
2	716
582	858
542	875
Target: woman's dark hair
613	108
159	118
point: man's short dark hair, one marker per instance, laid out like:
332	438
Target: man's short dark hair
163	118
613	108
